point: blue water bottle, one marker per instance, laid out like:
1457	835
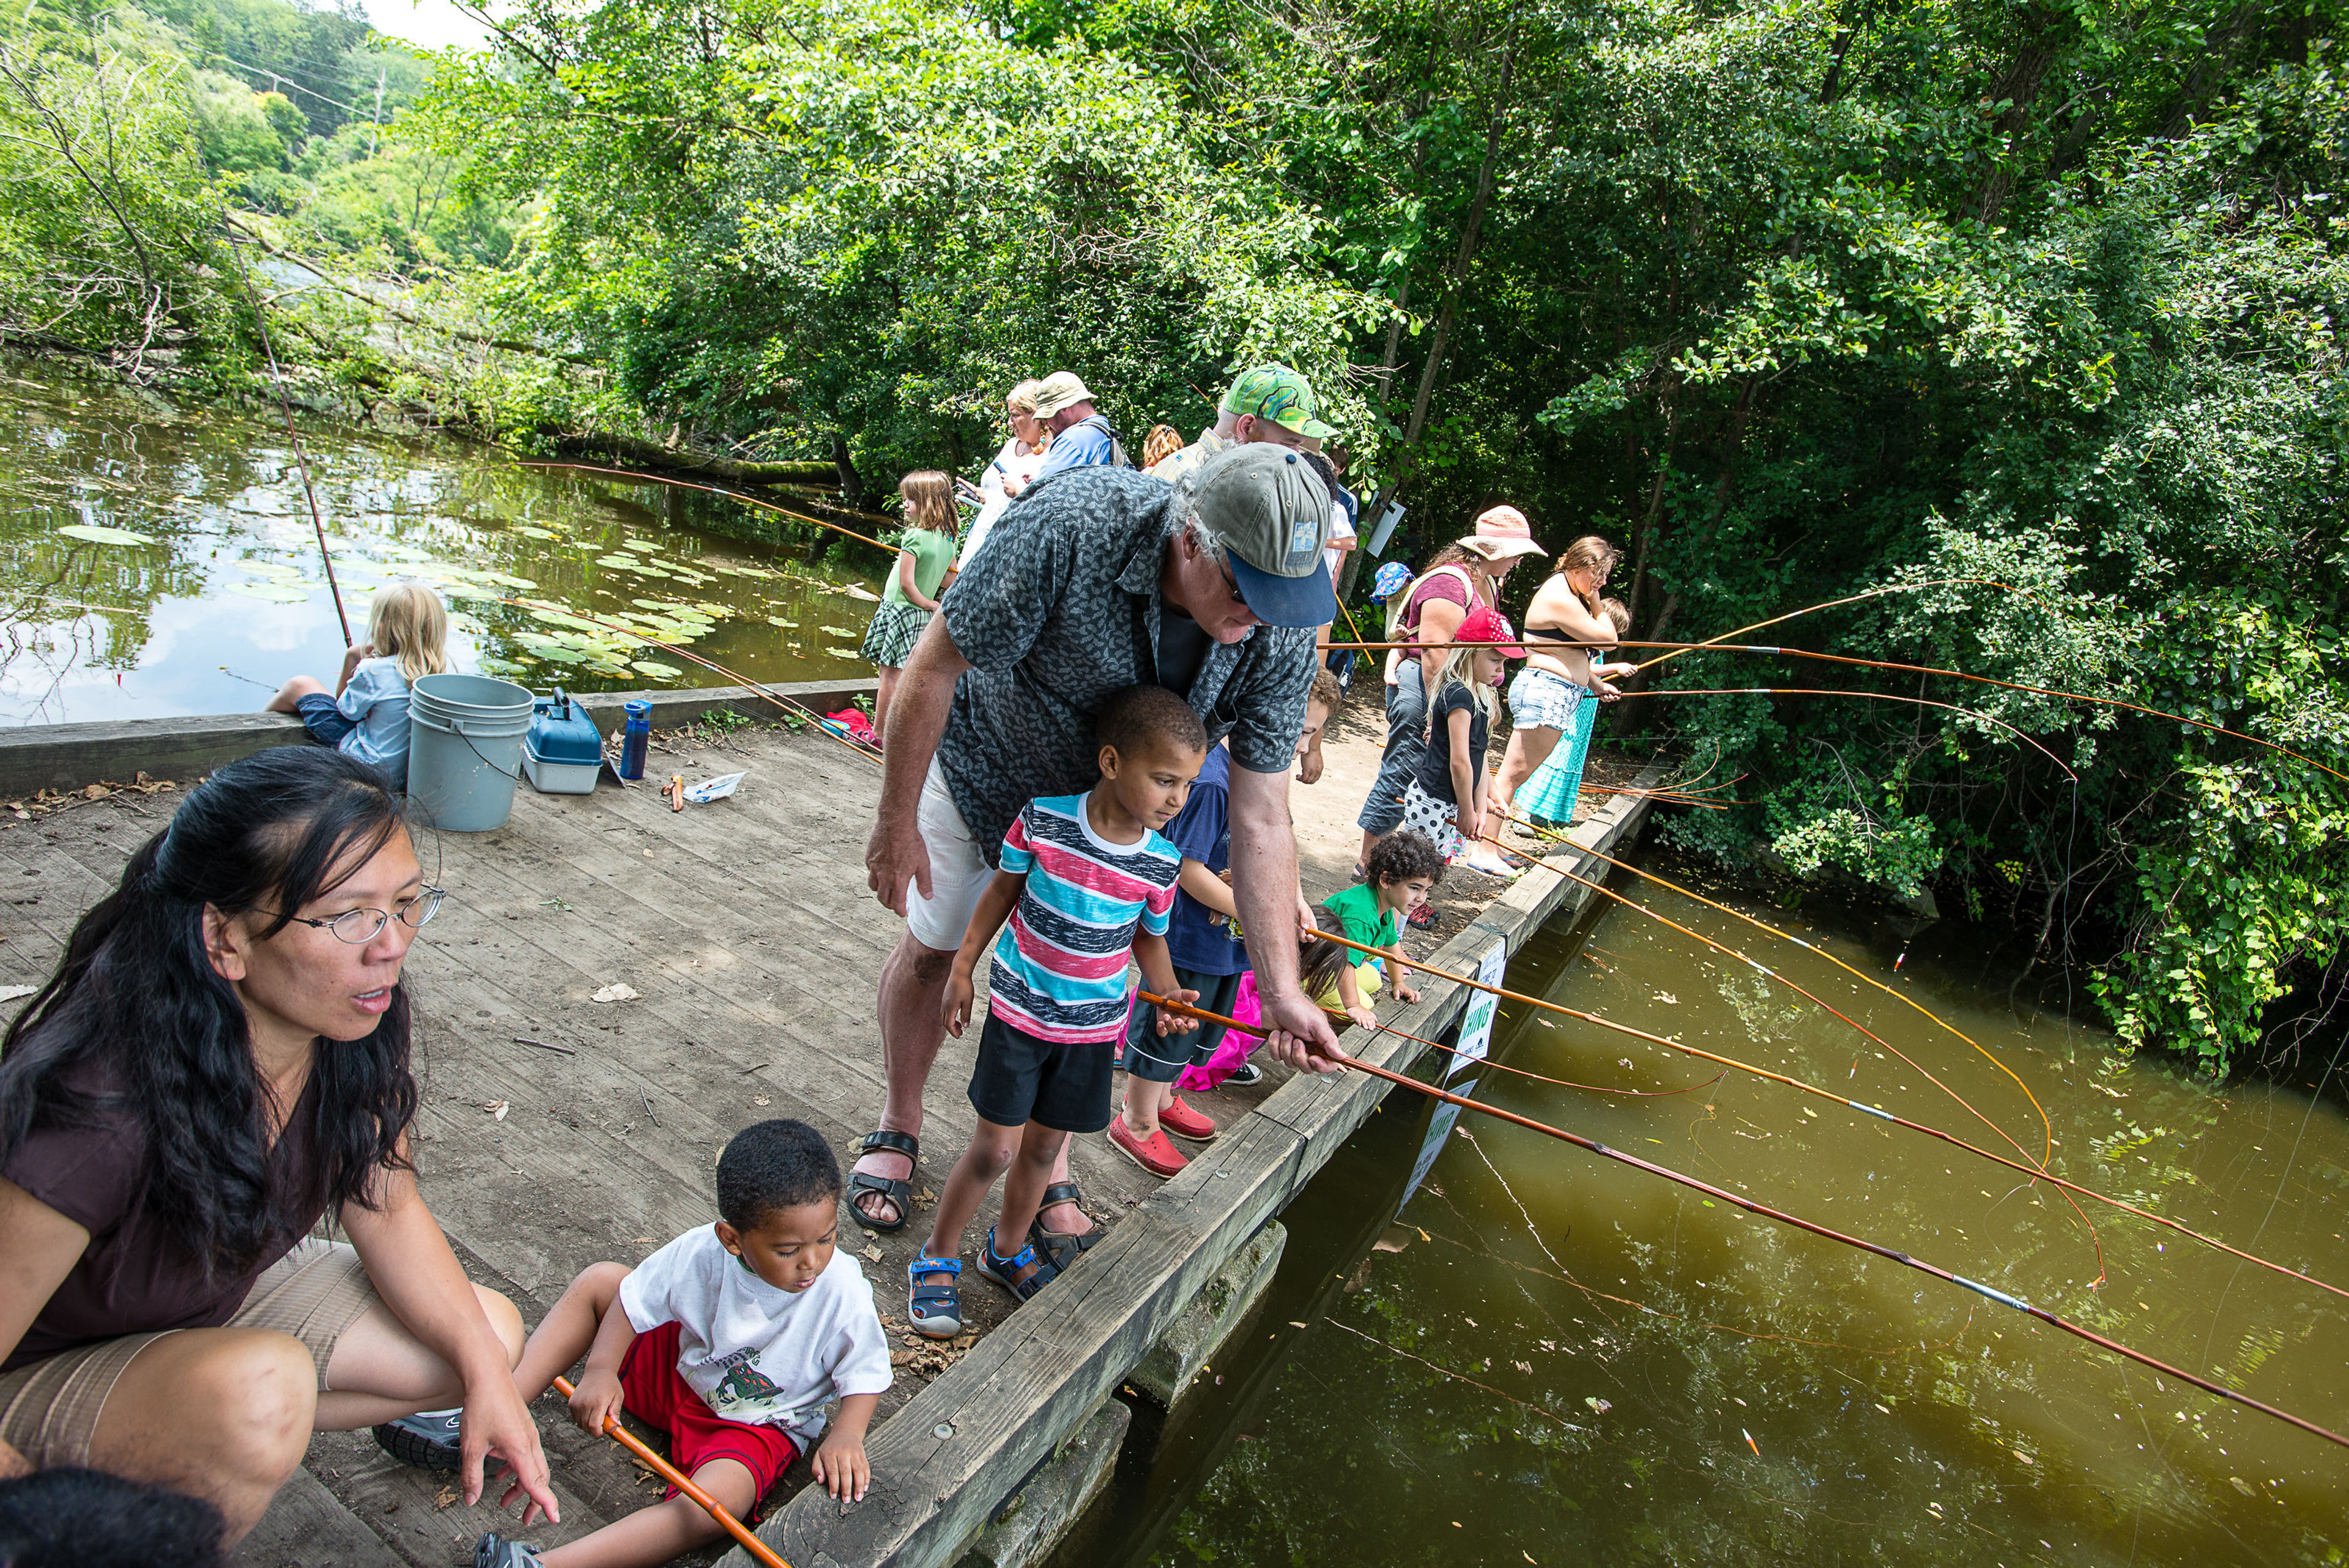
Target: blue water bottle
634	734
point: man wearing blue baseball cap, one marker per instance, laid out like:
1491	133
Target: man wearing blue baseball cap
1210	587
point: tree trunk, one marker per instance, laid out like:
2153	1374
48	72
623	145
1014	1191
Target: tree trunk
1456	279
2016	89
851	484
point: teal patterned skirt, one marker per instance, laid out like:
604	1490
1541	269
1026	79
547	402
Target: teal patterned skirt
1548	796
893	633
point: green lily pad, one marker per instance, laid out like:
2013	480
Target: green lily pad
469	590
845	652
506	578
786	625
277	569
498	666
530	532
276	593
837	630
94	534
654	667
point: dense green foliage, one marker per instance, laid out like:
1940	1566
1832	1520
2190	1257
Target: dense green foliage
1794	300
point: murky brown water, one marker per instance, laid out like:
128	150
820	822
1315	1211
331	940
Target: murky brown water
1669	1381
221	593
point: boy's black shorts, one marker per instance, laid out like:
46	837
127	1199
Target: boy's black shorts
1021	1078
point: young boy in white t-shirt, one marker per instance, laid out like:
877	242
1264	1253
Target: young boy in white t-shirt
733	1339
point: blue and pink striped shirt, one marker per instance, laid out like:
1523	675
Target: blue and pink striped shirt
1060	966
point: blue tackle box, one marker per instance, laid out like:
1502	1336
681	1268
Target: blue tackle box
564	750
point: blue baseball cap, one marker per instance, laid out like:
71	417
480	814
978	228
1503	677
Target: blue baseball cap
1272	511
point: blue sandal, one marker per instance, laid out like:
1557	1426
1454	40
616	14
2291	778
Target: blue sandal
934	1311
1005	1272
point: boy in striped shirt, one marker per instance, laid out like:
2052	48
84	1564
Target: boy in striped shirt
1085	882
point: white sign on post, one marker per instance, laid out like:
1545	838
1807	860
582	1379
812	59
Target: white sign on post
1475	1039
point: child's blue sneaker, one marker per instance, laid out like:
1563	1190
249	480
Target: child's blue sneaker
934	1310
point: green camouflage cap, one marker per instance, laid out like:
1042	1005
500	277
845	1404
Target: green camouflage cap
1277	393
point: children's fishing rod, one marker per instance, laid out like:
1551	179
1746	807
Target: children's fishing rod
1343	1021
1895	667
684	1483
301	458
2036	1173
1780	1215
758	501
2034	1170
2047	1126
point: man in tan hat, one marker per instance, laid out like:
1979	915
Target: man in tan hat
1081	437
1210	588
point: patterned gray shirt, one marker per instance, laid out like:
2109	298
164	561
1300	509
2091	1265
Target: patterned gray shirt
1060	610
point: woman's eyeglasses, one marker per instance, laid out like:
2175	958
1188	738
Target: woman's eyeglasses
360	926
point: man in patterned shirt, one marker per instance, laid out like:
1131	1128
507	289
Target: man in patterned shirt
1107	578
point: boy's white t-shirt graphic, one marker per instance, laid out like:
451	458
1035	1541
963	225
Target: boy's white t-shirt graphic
755	1354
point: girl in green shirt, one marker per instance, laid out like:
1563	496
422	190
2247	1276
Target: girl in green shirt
925	553
1401	871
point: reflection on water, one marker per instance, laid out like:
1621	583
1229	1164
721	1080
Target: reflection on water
154	564
1579	1363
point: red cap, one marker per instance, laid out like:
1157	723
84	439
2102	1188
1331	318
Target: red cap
1489	625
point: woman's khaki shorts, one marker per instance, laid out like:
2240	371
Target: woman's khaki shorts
49	1410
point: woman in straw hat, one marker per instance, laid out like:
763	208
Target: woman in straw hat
1561	625
1466	574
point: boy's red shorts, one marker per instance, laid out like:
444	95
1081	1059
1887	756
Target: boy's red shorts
651	1389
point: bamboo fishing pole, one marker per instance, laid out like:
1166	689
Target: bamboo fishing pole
1765	1210
2038	1174
684	1483
2047	1126
1745	1066
301	458
1895	667
759	501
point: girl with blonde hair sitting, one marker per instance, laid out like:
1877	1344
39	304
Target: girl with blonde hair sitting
366	715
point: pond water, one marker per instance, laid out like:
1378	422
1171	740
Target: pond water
154	564
1548	1358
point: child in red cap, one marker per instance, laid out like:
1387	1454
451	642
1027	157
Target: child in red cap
1444	799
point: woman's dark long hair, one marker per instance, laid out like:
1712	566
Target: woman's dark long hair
138	993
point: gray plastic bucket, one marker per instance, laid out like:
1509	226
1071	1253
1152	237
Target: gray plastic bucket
464	749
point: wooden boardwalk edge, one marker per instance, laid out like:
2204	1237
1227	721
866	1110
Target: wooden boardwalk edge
946	1463
39	756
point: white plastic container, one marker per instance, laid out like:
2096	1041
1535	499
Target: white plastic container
559	778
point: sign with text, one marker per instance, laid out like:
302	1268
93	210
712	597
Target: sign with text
1473	1040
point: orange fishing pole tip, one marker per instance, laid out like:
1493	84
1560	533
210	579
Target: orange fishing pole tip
1750	1442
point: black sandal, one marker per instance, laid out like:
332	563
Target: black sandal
1060	1251
898	1191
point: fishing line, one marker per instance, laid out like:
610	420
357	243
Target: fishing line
759	501
301	460
683	1482
1344	1021
2047	1126
2036	1168
1766	1212
2038	1174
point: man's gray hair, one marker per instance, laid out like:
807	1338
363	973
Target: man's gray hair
1192	524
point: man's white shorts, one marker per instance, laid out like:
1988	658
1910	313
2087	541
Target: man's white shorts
958	872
